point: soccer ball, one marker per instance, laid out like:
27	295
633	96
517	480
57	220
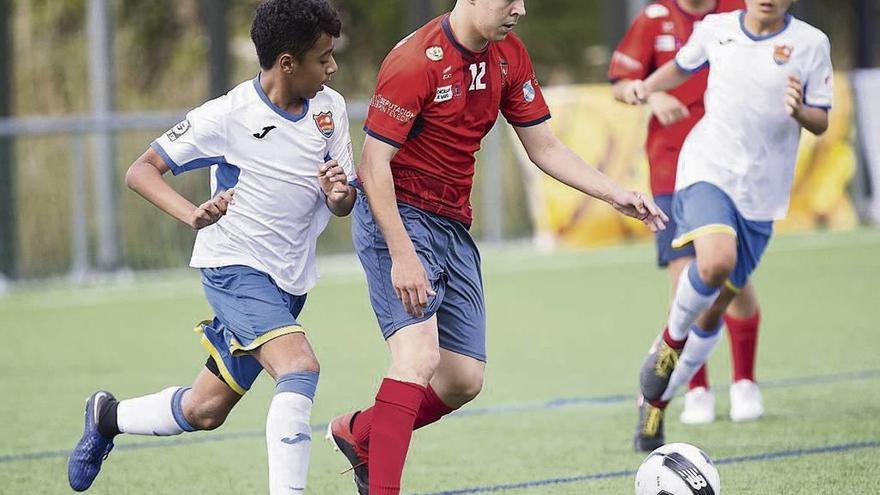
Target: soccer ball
677	469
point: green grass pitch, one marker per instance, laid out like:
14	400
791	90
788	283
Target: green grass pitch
567	333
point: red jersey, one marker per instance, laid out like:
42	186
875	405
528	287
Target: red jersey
435	100
653	39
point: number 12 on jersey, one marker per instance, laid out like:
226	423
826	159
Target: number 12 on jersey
478	71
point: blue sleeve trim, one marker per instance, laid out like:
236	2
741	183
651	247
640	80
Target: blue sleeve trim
691	71
382	138
172	165
190	165
200	163
530	123
823	107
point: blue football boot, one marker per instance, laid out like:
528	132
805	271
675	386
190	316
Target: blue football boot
85	461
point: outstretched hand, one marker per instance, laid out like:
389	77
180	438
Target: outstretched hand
638	205
635	92
209	212
667	108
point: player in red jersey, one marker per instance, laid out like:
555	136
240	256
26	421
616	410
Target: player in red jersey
439	93
653	39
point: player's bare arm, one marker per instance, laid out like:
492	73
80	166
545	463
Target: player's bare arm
144	177
407	273
812	119
558	161
669	76
339	195
667	108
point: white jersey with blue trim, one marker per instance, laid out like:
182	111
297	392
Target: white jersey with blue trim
747	143
271	158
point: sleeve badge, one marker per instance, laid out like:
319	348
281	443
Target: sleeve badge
528	91
178	130
434	53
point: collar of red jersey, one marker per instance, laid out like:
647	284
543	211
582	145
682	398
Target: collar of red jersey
447	30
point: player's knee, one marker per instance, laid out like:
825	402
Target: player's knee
205	417
462	387
469	387
307	363
294	363
716	271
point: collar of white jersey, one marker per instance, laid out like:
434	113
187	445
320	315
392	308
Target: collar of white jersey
755	37
289	116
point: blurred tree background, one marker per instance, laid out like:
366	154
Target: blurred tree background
161	46
174	54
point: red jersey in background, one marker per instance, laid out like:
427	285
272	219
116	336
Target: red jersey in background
653	39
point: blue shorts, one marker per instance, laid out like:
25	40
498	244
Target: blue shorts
665	251
703	208
249	311
452	264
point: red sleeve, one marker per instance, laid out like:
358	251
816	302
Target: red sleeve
402	90
634	55
522	102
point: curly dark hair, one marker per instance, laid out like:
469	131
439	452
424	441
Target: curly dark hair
291	26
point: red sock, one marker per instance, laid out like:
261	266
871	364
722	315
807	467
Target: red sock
701	379
743	345
361	426
394	414
675	344
430	411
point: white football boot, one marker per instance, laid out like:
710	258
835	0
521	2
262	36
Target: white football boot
699	407
745	401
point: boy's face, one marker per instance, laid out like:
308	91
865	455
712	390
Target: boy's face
495	18
314	68
768	11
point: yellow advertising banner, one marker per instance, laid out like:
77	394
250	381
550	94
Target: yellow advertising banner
611	136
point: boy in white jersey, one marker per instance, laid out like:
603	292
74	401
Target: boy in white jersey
771	75
280	157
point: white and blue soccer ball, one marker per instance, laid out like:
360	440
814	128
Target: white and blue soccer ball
678	469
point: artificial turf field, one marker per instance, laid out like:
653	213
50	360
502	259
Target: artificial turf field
567	333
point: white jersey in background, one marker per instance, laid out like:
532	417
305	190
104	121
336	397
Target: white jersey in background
747	143
271	158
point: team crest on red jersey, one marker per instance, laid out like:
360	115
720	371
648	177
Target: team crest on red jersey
434	53
324	121
781	53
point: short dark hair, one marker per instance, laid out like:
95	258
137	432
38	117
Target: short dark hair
291	26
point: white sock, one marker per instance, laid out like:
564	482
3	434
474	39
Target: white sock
696	350
159	414
288	434
692	297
